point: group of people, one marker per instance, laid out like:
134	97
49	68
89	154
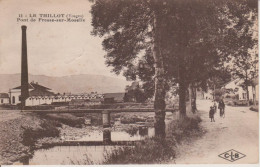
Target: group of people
213	109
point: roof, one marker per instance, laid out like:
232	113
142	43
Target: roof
233	84
41	92
116	96
4	95
33	85
29	86
38	90
38	86
238	83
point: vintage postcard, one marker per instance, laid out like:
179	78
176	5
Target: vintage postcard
95	82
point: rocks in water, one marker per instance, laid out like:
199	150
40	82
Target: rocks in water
128	119
88	122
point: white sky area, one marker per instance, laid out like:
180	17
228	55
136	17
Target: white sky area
54	49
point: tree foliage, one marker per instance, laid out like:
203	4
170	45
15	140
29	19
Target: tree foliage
164	42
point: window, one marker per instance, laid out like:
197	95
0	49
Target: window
2	100
20	98
13	100
244	95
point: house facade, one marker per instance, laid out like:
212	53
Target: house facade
41	95
234	88
38	95
4	98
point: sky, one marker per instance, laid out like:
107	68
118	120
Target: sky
54	49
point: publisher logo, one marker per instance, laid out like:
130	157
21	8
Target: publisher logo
232	155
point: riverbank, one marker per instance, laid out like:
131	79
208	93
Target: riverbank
157	150
33	132
12	124
23	133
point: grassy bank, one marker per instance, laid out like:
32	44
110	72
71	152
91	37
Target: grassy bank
47	128
19	133
254	108
157	150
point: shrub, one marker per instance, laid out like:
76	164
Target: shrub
241	102
67	119
131	119
145	152
156	150
132	130
46	129
254	108
230	103
181	128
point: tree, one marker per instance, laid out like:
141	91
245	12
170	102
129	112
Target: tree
244	61
134	93
185	39
129	27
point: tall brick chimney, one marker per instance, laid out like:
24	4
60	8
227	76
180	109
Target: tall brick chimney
24	69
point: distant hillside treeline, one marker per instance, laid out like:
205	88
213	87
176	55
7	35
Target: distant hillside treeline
83	83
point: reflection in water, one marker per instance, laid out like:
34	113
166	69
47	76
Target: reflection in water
97	135
70	155
91	154
139	135
87	154
106	136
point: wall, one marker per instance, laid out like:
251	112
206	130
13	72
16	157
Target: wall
14	95
4	101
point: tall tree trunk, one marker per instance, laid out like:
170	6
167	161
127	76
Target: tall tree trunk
247	91
190	97
214	98
247	94
182	89
194	96
254	94
159	93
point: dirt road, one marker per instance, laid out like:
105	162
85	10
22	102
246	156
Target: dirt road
6	115
239	130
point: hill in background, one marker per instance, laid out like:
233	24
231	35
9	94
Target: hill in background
84	83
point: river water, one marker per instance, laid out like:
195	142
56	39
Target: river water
81	155
86	154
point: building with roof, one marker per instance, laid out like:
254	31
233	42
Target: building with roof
114	98
41	95
4	98
235	88
38	94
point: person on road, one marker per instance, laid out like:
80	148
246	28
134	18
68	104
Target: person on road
221	106
211	114
215	105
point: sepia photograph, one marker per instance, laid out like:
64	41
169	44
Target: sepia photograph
108	82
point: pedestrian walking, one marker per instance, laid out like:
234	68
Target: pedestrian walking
221	106
211	114
215	105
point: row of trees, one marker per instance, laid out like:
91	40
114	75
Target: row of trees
169	42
